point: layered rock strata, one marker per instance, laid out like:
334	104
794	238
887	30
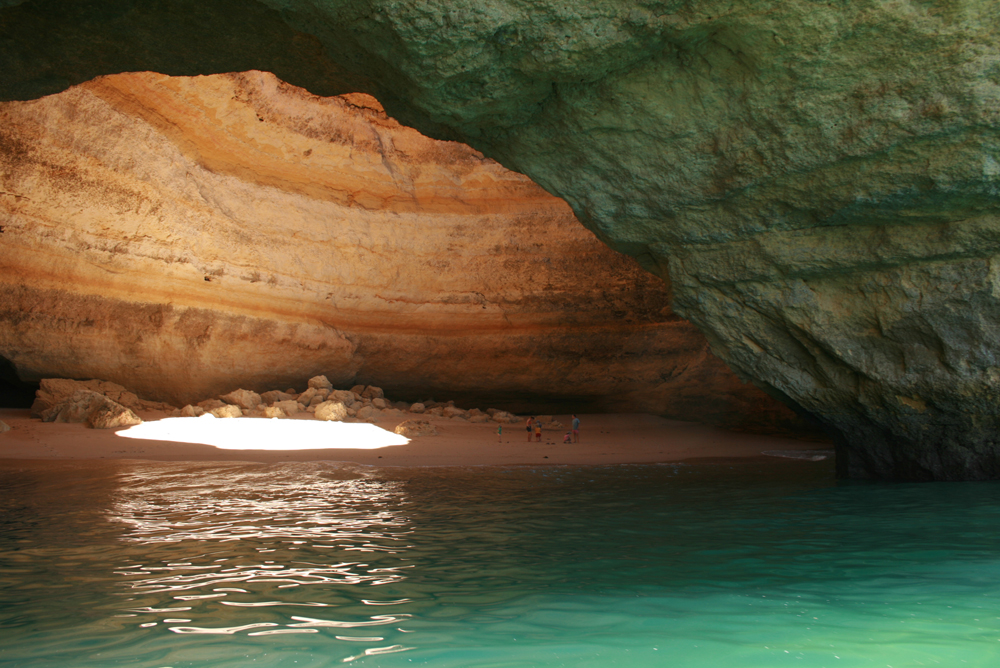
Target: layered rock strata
183	237
820	180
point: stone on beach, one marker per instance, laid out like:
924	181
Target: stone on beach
245	399
274	412
290	407
414	428
503	417
52	391
227	411
277	395
320	383
92	409
331	411
346	397
418	408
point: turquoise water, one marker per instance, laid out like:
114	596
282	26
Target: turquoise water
321	564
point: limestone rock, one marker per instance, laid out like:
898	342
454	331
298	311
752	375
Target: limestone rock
320	383
192	411
331	410
274	412
503	417
417	408
245	399
209	405
227	411
55	390
344	396
91	408
379	403
414	428
307	396
367	413
276	395
453	412
289	407
112	416
226	275
372	392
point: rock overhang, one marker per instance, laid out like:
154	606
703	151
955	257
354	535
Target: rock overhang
819	180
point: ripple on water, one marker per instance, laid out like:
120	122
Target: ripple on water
311	564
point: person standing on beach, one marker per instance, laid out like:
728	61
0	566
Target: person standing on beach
527	425
499	433
576	429
538	431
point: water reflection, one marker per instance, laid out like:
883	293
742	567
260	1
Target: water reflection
242	549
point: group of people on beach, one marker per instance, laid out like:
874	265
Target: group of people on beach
534	424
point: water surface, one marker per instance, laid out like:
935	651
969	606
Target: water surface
759	563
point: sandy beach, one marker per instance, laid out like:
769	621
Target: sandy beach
604	439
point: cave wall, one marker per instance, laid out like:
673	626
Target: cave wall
819	180
187	236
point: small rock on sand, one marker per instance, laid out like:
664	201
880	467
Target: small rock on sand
245	399
414	428
331	411
4	427
227	411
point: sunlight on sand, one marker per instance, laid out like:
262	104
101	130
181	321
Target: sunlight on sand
266	434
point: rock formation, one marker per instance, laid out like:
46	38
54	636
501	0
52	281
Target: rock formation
185	237
819	180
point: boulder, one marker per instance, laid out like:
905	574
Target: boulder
358	389
331	411
274	412
503	417
191	411
437	411
112	415
478	419
372	392
320	383
290	407
367	413
453	412
345	397
227	411
414	428
475	412
307	396
210	404
92	409
245	399
52	391
277	395
379	403
316	400
418	408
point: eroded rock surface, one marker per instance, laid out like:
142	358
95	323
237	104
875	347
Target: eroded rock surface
820	180
185	237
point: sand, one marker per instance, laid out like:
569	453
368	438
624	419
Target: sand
604	439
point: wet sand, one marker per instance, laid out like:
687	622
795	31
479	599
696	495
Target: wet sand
604	439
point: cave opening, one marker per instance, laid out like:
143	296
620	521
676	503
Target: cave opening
14	392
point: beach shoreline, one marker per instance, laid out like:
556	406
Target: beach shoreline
604	439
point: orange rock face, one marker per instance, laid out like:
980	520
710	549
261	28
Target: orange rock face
187	236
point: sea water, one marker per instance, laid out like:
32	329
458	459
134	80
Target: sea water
752	563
